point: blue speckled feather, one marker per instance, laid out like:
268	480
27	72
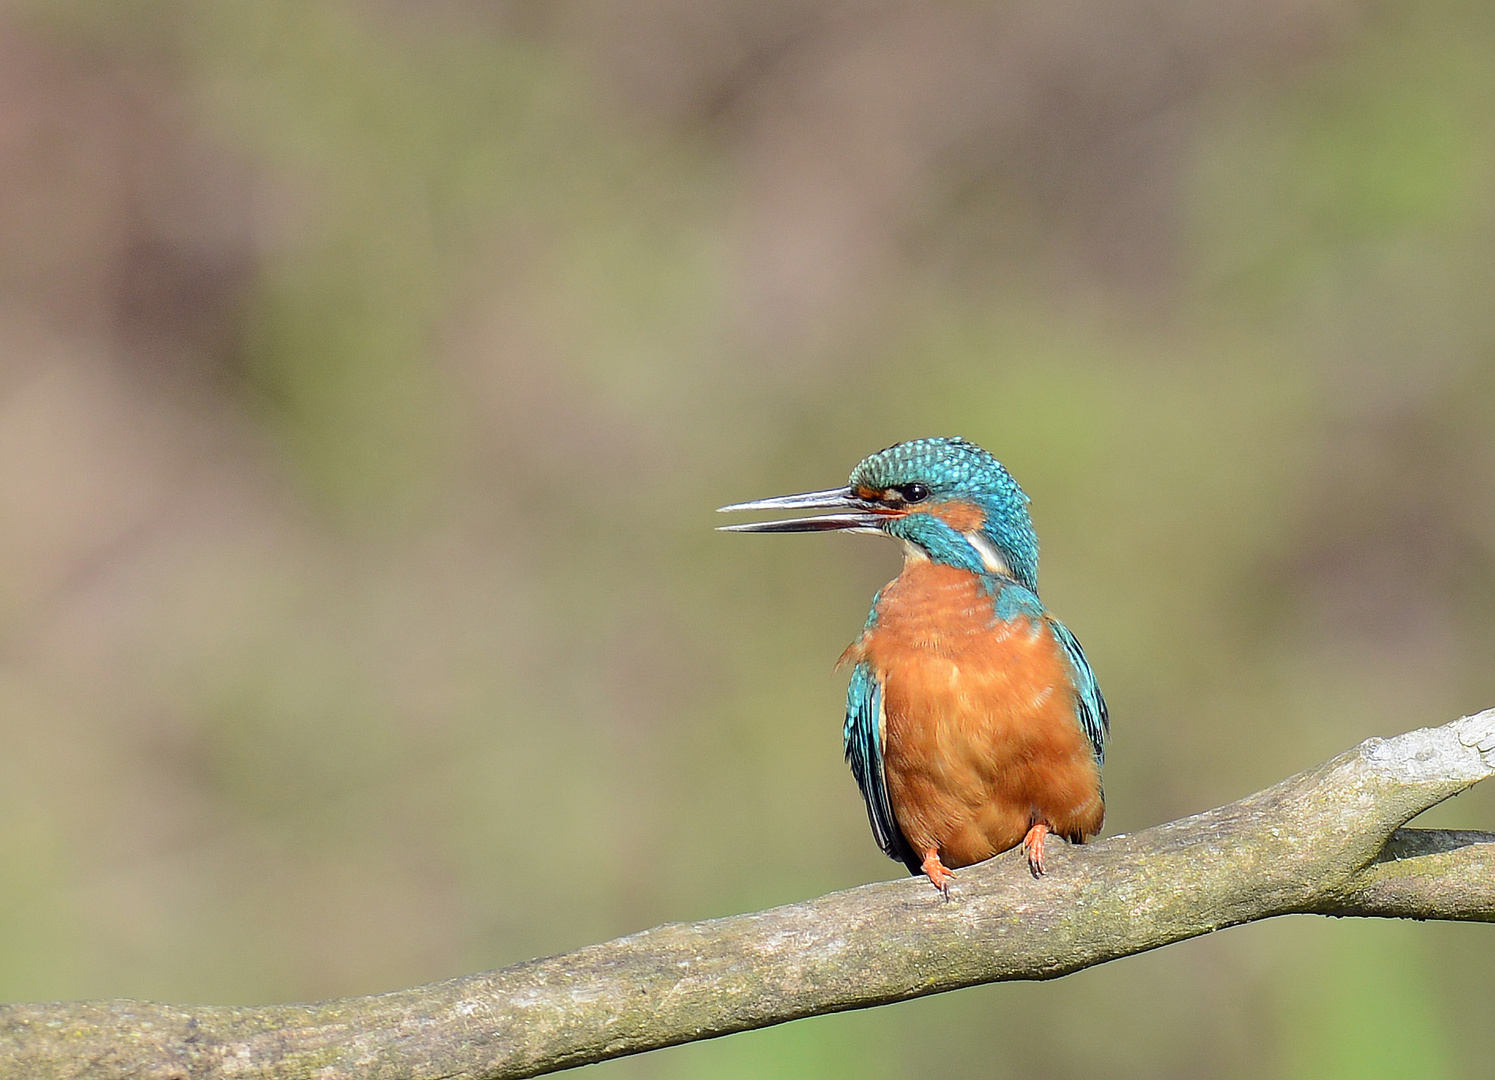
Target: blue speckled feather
957	470
863	735
1090	706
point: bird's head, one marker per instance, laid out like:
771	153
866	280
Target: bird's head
948	500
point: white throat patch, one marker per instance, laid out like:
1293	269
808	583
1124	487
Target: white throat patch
991	558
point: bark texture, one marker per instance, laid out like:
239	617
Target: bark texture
1327	841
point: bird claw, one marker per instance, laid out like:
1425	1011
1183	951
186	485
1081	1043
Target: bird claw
1033	848
938	873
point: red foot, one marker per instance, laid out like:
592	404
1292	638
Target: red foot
1033	847
939	875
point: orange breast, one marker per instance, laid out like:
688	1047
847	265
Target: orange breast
980	735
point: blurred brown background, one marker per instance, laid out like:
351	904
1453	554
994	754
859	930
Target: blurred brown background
369	373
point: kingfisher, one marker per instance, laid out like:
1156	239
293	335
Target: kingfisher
973	720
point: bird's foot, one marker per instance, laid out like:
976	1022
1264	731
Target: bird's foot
1033	847
938	873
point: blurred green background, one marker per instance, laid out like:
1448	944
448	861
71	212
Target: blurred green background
370	371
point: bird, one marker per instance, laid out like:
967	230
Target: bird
974	722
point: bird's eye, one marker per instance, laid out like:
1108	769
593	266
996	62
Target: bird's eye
911	492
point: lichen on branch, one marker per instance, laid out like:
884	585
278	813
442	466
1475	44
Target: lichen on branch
1329	841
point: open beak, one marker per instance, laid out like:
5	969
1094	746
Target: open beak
860	515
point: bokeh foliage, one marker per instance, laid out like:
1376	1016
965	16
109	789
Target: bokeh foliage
371	370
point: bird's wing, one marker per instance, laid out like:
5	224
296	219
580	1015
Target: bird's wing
864	741
1090	706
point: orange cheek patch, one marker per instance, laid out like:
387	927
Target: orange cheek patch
960	516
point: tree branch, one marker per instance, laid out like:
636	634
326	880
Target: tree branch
1327	841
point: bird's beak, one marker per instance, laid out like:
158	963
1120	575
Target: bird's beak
862	516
